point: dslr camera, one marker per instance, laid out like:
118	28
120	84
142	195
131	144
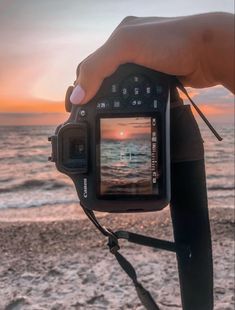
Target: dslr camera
116	148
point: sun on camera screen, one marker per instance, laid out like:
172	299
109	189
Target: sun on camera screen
128	156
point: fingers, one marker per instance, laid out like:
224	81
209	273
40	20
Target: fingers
104	61
91	74
98	66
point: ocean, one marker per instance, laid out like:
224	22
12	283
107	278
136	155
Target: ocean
126	167
28	180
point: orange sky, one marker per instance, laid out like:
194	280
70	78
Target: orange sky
42	43
33	105
124	129
30	112
37	105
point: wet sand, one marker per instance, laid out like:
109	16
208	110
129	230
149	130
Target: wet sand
53	258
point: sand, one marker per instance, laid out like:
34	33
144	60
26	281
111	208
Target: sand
53	258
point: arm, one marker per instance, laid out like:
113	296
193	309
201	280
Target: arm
199	49
218	42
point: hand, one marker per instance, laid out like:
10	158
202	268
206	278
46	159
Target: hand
198	49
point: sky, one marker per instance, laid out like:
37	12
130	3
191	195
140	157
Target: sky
43	41
125	129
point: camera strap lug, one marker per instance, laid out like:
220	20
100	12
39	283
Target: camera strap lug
144	295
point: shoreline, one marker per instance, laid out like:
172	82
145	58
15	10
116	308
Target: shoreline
54	213
47	213
65	264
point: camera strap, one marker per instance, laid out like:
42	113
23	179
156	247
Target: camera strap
183	251
113	237
183	89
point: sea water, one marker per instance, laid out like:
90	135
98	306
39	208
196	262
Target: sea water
27	179
126	167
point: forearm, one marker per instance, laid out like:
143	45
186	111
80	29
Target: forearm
218	45
208	46
198	49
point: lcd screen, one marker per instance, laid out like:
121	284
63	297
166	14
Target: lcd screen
128	156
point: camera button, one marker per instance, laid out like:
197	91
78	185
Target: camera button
114	88
136	79
82	113
136	102
102	104
116	103
148	90
125	92
136	91
155	103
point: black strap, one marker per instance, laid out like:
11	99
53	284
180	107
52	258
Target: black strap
182	88
182	250
144	295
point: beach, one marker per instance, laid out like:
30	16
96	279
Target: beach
57	260
120	137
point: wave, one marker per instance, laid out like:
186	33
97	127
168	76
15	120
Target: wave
6	180
38	203
34	184
219	176
24	158
220	188
141	186
29	147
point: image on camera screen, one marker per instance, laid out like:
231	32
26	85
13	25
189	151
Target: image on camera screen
126	156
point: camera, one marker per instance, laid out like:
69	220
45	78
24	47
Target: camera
116	148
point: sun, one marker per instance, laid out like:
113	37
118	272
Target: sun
121	134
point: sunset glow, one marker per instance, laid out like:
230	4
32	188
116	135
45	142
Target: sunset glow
125	128
122	135
43	46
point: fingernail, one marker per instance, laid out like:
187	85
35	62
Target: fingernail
77	95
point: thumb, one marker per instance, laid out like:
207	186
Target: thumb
93	70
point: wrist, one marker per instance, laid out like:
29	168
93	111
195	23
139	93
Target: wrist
217	57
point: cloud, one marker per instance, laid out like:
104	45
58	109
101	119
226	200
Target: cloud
43	41
215	95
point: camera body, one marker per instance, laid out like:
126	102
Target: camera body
116	148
